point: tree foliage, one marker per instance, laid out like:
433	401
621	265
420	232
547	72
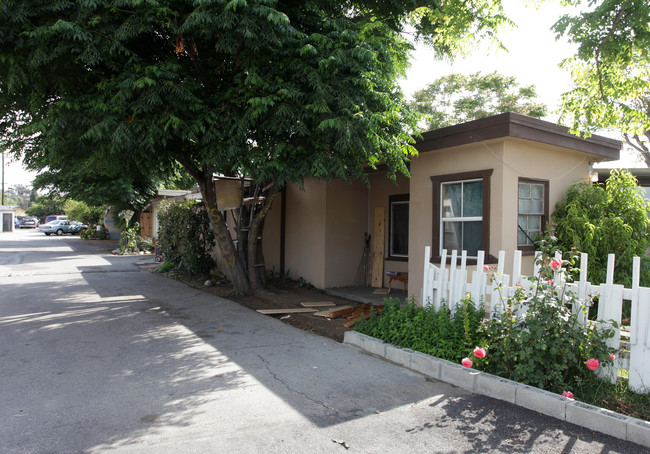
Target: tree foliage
458	98
602	219
611	69
45	206
82	212
271	90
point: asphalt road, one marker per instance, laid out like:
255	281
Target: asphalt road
98	356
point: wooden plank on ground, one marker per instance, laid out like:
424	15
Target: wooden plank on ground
328	312
317	304
362	314
378	248
290	310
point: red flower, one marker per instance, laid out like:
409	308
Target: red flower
556	265
466	362
592	364
479	352
612	356
568	394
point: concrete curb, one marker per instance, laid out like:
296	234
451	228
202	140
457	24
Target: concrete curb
551	404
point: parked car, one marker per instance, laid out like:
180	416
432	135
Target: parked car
77	227
58	227
28	222
57	217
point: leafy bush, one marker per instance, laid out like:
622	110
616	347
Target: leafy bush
94	234
439	333
185	236
604	219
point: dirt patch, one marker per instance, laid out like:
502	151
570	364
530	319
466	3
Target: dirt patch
280	293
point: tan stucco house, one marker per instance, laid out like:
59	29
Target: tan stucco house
488	184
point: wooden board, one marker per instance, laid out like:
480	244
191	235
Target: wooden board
328	312
317	304
378	248
295	310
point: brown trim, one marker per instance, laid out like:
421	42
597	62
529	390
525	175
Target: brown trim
391	199
519	126
528	250
437	180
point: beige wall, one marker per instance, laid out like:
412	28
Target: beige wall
346	223
510	159
305	240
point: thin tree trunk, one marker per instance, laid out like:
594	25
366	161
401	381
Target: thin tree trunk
231	261
256	266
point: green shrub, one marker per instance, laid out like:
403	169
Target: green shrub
604	219
185	236
94	234
439	333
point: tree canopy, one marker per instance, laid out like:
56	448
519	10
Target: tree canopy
611	69
458	98
275	91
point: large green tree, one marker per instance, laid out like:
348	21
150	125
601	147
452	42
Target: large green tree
274	91
611	69
458	98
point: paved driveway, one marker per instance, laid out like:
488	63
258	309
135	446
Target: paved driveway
97	356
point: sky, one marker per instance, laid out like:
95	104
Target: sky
533	57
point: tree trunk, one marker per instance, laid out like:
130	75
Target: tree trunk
256	266
231	260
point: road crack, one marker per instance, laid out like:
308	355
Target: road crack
286	385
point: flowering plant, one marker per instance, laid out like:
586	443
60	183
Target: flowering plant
537	339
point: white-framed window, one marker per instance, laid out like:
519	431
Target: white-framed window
532	211
461	212
461	216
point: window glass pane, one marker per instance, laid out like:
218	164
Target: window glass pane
399	240
537	207
451	199
535	223
473	199
524	190
523	222
537	191
524	206
521	238
472	237
452	235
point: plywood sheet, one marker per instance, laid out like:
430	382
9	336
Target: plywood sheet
378	247
317	304
293	310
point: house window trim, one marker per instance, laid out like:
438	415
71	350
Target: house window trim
437	180
530	249
391	199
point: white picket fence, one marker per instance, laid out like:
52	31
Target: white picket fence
448	284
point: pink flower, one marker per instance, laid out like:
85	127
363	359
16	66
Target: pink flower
466	362
556	265
592	364
612	356
479	352
568	394
486	268
626	320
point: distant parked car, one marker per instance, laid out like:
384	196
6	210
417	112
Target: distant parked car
57	227
58	217
28	222
77	227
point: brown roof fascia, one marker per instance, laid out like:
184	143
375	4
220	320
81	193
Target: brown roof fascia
519	126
